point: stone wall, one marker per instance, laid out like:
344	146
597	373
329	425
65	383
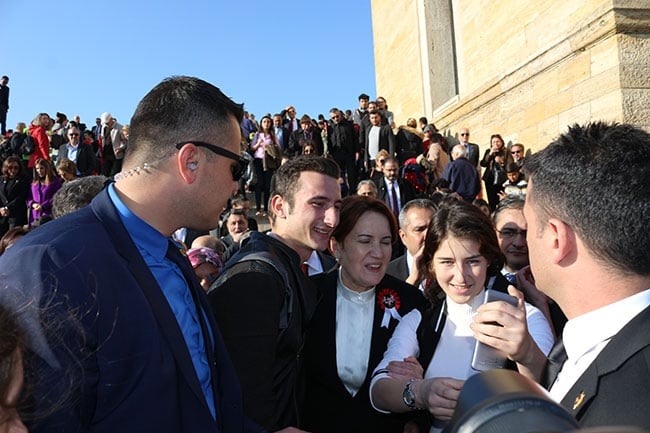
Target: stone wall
525	70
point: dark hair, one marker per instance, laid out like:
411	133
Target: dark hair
176	110
49	171
606	161
512	167
237	212
424	120
285	180
7	162
499	137
238	200
510	202
352	210
462	220
364	96
439	138
12	341
76	194
9	238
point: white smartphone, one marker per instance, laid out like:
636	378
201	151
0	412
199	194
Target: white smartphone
487	357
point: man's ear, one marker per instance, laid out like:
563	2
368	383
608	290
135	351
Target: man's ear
187	162
562	241
279	206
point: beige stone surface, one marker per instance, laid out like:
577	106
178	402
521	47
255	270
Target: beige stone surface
524	69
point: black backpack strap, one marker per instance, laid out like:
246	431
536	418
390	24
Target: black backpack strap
267	264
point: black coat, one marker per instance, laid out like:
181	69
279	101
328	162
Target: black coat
13	196
329	407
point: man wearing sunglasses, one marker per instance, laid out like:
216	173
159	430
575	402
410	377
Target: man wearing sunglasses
121	335
471	149
78	152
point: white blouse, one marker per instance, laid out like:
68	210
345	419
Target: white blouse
354	317
453	355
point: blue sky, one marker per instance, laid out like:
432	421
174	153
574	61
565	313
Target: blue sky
87	57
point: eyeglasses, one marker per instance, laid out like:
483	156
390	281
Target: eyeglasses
236	170
464	134
511	233
381	161
73	135
515	151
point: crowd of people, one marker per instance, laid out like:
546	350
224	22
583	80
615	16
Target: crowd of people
142	305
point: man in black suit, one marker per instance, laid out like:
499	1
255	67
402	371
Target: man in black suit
414	219
591	257
281	132
4	103
342	146
471	149
307	133
394	191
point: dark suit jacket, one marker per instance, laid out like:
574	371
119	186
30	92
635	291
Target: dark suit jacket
398	268
107	347
297	140
329	407
615	388
386	141
406	190
86	160
472	155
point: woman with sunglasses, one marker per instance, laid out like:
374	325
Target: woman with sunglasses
461	253
13	195
44	186
266	159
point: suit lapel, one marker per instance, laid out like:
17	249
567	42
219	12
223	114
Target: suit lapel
624	345
106	213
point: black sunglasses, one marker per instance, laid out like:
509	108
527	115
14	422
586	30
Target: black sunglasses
237	170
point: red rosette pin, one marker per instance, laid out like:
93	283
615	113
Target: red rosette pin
389	302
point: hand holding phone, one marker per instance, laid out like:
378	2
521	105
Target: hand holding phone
487	357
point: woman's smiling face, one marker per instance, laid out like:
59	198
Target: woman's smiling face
459	268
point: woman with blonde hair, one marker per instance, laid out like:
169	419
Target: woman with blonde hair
38	130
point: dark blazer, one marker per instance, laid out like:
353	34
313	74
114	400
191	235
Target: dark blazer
110	350
329	407
86	160
398	268
386	141
284	144
13	195
299	138
472	154
406	190
615	388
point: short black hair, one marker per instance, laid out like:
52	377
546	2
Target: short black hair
595	179
364	96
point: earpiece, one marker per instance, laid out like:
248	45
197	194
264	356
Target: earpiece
192	166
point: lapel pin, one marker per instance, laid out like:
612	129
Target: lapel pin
579	400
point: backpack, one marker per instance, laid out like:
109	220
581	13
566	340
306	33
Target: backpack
415	174
28	146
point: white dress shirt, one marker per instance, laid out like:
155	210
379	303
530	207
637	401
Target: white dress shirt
354	317
586	336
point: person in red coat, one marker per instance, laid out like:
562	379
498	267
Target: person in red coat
38	130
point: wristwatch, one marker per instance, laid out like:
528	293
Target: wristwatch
408	396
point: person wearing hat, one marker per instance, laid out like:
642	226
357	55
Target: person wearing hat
113	145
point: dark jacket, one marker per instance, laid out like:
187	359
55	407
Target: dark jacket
104	342
13	195
463	178
341	139
86	160
299	138
329	407
614	390
409	143
263	309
